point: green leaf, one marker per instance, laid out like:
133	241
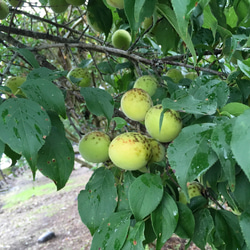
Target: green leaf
164	219
186	222
112	232
145	194
102	15
45	73
203	227
228	229
46	94
24	125
244	225
196	153
210	22
2	146
119	122
241	140
220	141
137	10
98	201
11	154
179	19
28	55
135	237
56	157
244	66
99	102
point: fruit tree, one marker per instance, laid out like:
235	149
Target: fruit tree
174	147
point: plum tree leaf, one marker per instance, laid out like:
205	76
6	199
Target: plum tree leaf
98	199
46	94
145	194
56	157
45	73
196	153
99	102
24	125
244	225
241	140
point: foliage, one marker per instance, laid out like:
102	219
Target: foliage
129	209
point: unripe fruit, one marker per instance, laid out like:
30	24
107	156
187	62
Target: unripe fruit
130	151
119	4
14	83
147	22
171	124
58	6
158	150
182	197
91	20
175	75
235	108
93	147
121	39
4	10
147	83
15	3
135	103
75	2
194	189
191	75
80	77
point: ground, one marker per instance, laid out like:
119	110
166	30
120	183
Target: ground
42	209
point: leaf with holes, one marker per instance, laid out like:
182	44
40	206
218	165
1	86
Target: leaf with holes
24	125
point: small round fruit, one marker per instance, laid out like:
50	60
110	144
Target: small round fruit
75	2
121	39
119	4
135	103
58	6
171	124
191	75
235	108
4	10
182	197
158	150
91	20
148	83
175	75
14	83
194	189
147	22
93	147
130	151
16	3
80	77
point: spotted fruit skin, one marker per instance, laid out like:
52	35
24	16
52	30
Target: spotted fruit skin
121	39
175	75
119	4
130	151
93	147
135	103
171	124
148	83
80	77
158	150
194	189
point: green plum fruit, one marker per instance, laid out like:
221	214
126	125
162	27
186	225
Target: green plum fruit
171	124
135	103
234	108
158	150
148	83
182	197
119	4
80	77
121	39
91	20
4	10
191	75
194	189
14	83
16	3
58	6
76	2
175	75
148	21
94	146
130	151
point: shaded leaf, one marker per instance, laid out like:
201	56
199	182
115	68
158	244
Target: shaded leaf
45	73
244	225
28	55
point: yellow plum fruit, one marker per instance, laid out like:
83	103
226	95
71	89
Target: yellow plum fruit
158	150
148	83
